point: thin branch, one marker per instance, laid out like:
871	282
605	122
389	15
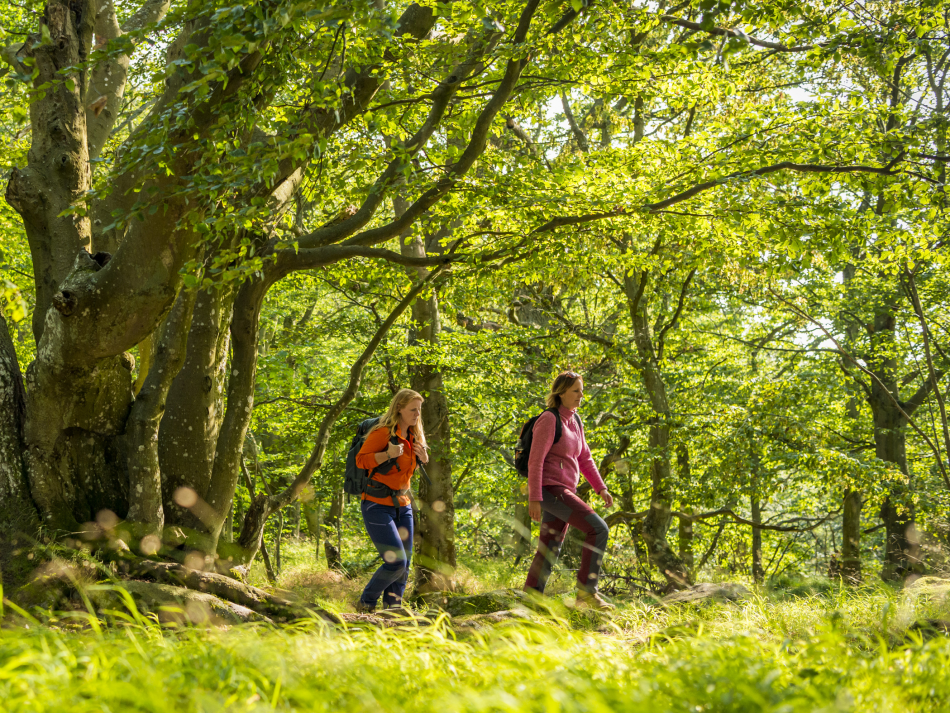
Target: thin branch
676	315
738	34
764	171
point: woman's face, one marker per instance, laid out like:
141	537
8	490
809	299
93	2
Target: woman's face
572	397
410	413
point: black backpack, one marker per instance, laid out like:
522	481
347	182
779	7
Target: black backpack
523	446
355	479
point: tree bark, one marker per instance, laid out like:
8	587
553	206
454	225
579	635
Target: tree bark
521	523
195	405
435	558
902	546
313	516
685	524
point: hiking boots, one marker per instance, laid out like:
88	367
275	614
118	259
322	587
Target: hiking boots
364	608
592	600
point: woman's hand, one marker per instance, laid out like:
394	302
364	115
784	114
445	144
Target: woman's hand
607	497
421	454
394	450
534	510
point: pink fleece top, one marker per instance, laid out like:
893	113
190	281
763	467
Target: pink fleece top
560	463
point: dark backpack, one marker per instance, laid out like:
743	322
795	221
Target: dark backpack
354	478
523	446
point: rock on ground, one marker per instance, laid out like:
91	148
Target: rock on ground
724	591
934	586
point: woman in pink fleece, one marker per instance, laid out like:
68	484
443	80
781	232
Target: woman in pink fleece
553	472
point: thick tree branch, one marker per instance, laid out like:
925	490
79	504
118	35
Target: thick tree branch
290	261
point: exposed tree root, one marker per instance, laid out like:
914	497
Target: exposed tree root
180	605
228	589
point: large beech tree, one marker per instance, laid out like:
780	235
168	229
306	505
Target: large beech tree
174	246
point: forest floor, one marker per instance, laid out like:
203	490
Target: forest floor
814	647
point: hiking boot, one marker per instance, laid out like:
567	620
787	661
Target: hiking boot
592	600
364	608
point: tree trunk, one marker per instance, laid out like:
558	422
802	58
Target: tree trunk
313	515
143	428
435	557
851	536
331	531
17	511
902	546
758	571
435	560
685	524
521	523
195	406
657	522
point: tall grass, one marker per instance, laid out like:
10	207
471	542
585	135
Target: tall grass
839	651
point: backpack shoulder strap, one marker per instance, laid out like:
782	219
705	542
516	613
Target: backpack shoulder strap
557	424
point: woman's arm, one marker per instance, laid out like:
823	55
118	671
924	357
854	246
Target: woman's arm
376	449
585	462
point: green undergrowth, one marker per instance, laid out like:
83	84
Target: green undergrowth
842	650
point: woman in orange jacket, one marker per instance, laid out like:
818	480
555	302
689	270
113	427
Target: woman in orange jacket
390	453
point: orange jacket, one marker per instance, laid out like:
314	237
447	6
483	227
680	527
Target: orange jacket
398	478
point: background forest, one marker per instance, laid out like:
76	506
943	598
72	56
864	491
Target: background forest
233	230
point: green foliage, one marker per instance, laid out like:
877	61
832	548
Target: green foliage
838	651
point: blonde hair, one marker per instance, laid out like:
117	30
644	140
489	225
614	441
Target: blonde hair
562	382
390	419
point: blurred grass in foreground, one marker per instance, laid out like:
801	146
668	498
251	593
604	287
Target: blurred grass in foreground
839	651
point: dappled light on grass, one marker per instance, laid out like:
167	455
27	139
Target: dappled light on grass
844	651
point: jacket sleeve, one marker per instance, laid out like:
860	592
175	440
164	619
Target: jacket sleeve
541	442
375	442
585	462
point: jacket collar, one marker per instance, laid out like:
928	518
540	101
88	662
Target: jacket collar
566	413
